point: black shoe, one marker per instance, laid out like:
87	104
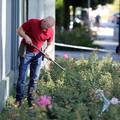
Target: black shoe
17	104
31	105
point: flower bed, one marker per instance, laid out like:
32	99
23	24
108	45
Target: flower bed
72	93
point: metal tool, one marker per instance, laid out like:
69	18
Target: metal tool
47	57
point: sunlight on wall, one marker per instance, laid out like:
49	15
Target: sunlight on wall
3	33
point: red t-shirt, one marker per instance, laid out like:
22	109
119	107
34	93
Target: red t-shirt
38	36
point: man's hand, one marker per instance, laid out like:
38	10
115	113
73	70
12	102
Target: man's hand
28	40
46	53
47	56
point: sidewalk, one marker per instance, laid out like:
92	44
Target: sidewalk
107	36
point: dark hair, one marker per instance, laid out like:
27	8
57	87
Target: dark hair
118	49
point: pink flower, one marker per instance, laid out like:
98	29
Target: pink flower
66	56
44	101
114	101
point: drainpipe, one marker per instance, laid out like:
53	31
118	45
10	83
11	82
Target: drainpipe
27	9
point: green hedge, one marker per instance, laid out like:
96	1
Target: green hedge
78	36
73	91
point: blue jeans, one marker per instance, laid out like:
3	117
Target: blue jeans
35	65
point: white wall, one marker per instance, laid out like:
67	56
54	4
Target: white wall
3	82
5	50
36	9
0	40
8	38
41	8
3	32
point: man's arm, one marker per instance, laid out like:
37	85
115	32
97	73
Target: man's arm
22	34
48	48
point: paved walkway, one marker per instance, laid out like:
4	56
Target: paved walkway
107	36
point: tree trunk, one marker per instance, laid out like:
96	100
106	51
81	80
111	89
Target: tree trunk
66	14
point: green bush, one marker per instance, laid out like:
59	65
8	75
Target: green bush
79	36
73	91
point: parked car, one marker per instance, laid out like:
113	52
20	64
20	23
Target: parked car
115	18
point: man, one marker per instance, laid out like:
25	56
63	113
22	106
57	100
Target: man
34	32
97	20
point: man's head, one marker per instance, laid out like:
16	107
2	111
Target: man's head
47	22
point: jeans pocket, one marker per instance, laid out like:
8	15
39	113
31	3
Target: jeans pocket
22	50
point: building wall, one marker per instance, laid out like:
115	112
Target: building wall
7	43
0	41
4	67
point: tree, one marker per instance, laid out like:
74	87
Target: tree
84	3
59	13
62	9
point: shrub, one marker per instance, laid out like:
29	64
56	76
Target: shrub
79	36
73	91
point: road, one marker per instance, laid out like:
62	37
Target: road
107	38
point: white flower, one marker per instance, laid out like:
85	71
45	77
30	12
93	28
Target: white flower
114	101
